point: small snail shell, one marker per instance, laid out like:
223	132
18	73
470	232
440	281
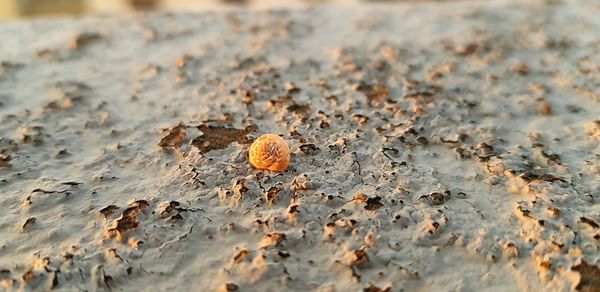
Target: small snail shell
269	152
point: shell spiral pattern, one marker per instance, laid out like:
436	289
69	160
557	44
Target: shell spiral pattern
269	152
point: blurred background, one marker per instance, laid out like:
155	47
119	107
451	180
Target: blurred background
15	9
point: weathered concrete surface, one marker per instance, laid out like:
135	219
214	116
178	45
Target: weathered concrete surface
437	146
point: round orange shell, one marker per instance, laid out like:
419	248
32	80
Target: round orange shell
269	152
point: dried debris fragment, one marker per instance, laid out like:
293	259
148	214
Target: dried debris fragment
219	137
32	135
358	257
419	97
466	49
7	147
546	264
228	287
484	151
70	93
272	239
30	221
590	277
10	67
271	194
174	138
593	128
360	197
376	94
544	107
165	209
529	176
291	88
374	203
521	212
28	276
589	222
239	187
280	101
553	212
59	104
241	256
49	54
108	210
308	149
140	204
4	160
128	220
292	214
520	68
511	250
375	288
84	39
6	279
183	60
302	183
434	198
553	157
299	109
360	119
